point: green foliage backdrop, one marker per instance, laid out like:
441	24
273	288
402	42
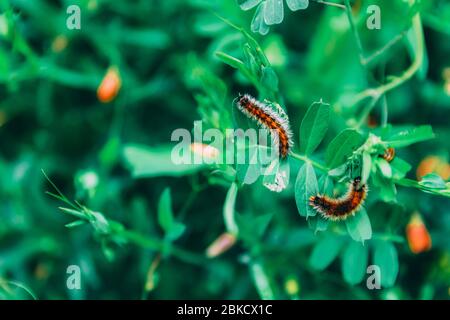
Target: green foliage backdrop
88	180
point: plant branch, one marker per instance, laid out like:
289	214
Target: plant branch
306	159
395	81
331	4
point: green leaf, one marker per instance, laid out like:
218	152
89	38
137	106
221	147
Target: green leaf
305	186
269	78
295	5
387	192
228	209
342	146
399	168
325	251
230	60
273	12
358	226
166	219
432	181
408	136
354	262
386	258
251	227
248	4
314	126
326	185
76	213
384	167
75	223
249	171
148	162
319	223
262	281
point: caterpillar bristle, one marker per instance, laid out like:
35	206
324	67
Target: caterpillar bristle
339	209
276	123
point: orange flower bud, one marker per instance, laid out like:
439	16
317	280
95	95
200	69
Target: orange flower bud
447	88
204	150
110	86
372	121
150	283
419	239
222	244
433	164
59	43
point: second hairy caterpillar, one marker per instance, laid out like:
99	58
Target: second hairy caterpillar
343	207
276	123
388	155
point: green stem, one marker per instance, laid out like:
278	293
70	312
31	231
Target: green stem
304	158
396	81
331	4
384	112
5	283
409	183
355	32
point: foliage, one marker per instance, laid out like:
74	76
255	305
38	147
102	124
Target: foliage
143	223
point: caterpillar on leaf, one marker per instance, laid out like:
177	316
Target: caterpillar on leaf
338	209
276	122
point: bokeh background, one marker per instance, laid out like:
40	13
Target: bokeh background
156	60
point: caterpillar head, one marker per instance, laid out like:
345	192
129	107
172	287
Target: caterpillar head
357	183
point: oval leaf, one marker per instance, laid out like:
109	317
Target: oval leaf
409	136
342	146
359	227
314	126
166	219
385	257
324	252
228	209
354	263
305	186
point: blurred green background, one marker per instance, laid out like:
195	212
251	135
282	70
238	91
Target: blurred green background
164	52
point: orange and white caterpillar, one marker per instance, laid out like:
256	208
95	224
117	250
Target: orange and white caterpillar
276	123
388	155
343	207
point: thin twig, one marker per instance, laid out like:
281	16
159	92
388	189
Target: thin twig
332	4
306	159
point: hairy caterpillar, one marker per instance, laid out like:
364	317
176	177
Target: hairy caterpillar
276	123
388	155
343	207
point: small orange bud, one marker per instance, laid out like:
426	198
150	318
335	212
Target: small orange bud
372	121
447	88
222	244
433	164
42	271
110	86
204	150
150	283
446	74
59	43
419	239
